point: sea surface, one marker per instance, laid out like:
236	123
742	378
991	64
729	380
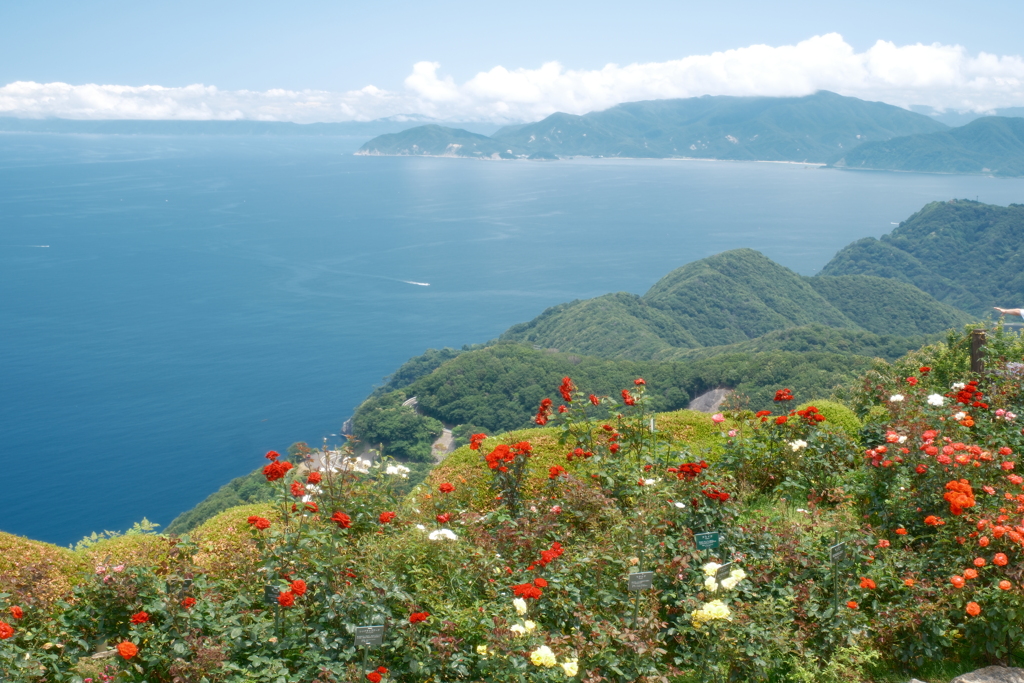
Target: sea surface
173	307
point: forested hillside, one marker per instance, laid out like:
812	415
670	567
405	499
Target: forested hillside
498	388
964	253
991	145
814	128
730	298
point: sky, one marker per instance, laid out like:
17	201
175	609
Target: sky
311	60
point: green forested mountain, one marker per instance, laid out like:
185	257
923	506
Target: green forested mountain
434	140
963	253
814	128
991	145
498	387
886	306
736	320
722	299
727	299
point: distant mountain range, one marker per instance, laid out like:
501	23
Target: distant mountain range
992	145
815	128
824	128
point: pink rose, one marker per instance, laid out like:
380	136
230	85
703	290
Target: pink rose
718	418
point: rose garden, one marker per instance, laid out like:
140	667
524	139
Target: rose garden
872	536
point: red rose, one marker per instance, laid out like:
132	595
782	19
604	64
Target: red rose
446	488
6	630
272	455
475	441
298	586
276	470
312	507
127	649
314	478
1000	559
259	522
342	520
901	532
373	677
867	583
540	582
298	490
17	612
444	518
382	670
140	618
566	389
286	599
595	400
781	420
188	603
527	590
852	604
417	617
973	609
386	517
639	381
627	398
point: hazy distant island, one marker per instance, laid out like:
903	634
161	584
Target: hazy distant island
823	128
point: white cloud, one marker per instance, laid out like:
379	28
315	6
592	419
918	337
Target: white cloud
941	76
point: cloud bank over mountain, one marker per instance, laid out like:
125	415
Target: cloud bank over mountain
945	77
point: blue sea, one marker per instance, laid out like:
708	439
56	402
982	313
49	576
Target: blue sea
173	307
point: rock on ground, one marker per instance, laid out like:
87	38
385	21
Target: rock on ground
992	674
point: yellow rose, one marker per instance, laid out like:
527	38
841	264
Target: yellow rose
571	668
543	656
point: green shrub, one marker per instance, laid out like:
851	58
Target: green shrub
836	414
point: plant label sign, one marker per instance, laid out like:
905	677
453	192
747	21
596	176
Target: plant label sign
641	581
837	553
369	636
722	573
270	593
709	540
